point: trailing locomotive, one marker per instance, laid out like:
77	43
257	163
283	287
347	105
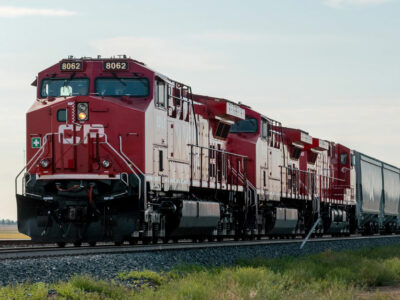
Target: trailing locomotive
119	152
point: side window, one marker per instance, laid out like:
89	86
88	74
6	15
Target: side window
264	127
296	152
343	158
222	130
161	94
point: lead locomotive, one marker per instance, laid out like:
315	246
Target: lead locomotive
118	152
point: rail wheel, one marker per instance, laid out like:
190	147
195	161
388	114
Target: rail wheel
77	244
133	241
92	244
147	241
60	244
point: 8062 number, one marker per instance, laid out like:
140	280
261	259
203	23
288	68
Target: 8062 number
71	66
115	66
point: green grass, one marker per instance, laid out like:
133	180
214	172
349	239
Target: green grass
328	275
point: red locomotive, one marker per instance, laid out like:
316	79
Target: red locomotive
118	152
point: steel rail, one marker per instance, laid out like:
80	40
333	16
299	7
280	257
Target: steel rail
54	251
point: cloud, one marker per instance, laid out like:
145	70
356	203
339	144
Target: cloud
160	53
12	11
341	3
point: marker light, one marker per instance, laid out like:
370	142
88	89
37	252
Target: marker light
106	164
82	116
45	163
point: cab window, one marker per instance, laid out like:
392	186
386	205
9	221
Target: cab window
247	125
115	87
64	87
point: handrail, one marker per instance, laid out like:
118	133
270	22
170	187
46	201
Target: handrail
123	159
140	181
308	172
41	150
218	150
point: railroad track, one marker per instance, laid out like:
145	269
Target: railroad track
37	251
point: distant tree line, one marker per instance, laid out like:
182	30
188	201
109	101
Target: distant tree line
7	222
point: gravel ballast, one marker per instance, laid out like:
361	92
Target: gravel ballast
108	266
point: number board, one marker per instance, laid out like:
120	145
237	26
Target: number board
71	66
113	65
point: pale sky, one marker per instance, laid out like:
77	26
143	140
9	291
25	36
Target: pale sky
329	67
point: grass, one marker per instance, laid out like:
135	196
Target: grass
10	232
328	275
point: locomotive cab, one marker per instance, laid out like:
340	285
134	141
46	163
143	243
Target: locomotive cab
85	152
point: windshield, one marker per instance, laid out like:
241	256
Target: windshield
60	87
135	87
248	125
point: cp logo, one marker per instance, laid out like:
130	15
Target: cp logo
67	132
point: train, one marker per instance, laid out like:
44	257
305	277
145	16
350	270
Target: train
117	152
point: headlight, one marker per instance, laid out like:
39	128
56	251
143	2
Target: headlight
83	111
106	164
45	163
82	116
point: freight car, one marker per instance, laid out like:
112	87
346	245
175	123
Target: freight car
119	152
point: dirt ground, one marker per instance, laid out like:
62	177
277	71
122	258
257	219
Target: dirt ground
10	232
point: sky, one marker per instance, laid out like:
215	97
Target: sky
329	67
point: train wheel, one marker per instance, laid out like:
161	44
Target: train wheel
133	241
92	244
61	244
165	240
146	241
77	244
117	243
